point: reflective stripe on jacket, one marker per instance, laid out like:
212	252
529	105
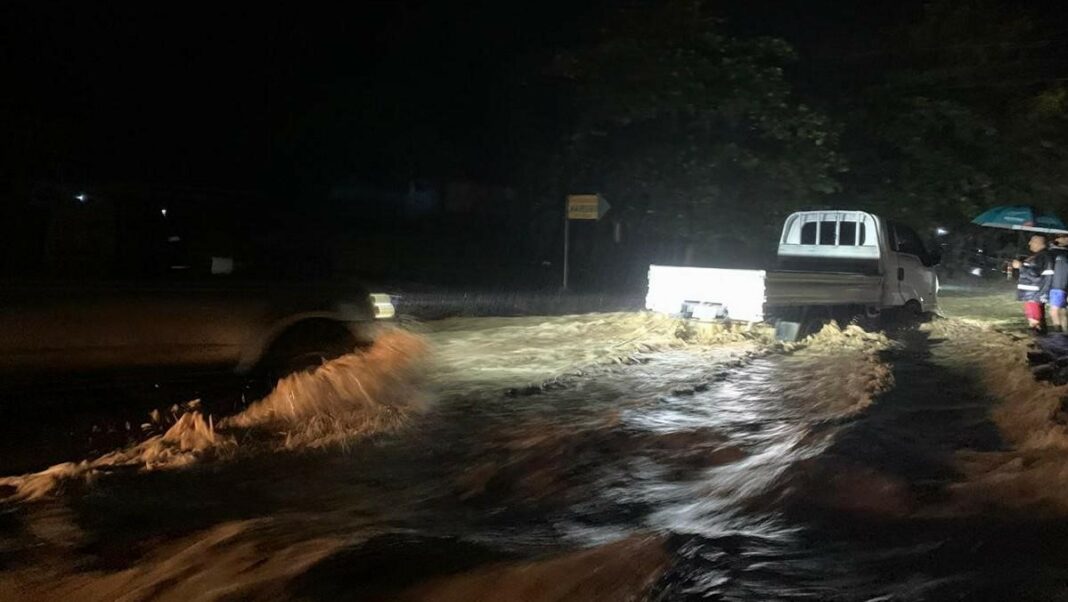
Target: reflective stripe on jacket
1036	274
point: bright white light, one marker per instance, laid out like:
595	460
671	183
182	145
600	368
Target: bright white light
163	212
977	271
941	231
82	197
739	293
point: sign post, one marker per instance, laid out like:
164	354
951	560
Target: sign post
567	242
584	207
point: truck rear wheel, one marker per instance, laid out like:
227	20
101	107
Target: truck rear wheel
866	317
307	345
795	324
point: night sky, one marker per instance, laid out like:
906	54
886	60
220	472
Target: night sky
228	97
269	98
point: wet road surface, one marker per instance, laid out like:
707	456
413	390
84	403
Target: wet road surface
852	468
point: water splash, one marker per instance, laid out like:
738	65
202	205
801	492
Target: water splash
191	438
352	396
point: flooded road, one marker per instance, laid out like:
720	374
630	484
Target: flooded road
605	458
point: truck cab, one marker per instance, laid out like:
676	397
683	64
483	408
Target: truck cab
858	242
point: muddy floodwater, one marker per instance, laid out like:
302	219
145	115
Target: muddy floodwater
615	457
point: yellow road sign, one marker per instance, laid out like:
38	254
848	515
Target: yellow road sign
586	206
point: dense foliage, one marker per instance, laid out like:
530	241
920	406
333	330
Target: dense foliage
695	134
703	139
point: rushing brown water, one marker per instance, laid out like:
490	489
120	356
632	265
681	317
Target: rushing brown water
852	468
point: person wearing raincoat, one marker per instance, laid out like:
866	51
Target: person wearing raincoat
1033	286
1058	290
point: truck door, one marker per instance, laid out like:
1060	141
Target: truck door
914	270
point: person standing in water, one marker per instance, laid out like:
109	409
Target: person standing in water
1036	272
1058	291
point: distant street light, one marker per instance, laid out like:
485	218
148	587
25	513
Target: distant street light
81	197
163	212
941	231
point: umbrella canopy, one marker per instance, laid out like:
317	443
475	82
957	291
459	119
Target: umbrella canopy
1020	217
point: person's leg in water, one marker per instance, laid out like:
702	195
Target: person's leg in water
1058	301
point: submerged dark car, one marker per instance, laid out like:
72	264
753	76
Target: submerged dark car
57	328
126	287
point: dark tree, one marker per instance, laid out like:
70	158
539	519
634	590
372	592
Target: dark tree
695	135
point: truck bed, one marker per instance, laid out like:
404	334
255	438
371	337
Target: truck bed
750	295
791	289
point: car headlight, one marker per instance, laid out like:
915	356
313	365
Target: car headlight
382	306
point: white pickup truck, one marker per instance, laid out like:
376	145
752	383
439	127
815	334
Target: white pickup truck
832	264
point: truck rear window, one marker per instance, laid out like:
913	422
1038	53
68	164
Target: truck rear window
850	233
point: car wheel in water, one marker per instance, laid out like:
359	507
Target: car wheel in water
307	345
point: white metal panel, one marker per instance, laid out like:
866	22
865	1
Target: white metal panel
790	242
741	292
